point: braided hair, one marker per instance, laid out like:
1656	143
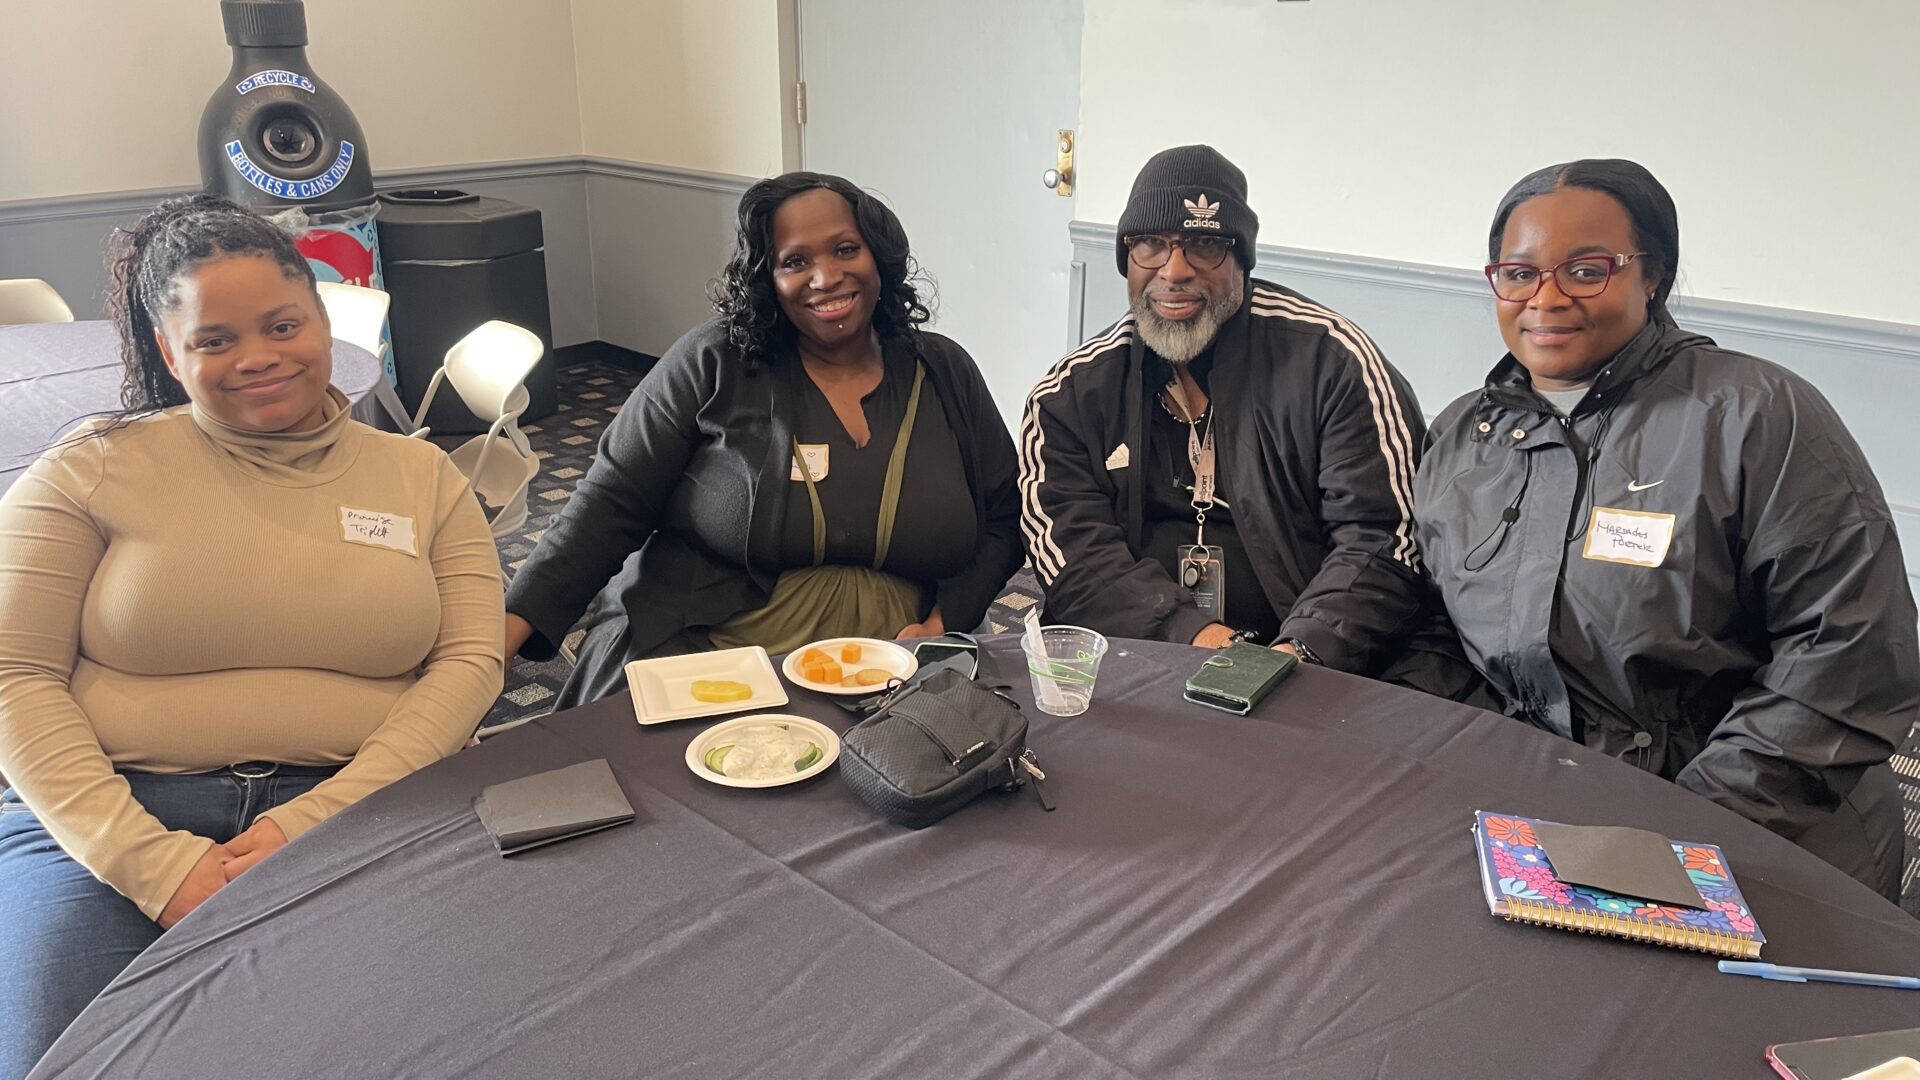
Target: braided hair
145	264
742	295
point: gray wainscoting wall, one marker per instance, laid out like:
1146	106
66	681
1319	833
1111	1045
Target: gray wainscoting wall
1437	326
629	247
63	240
659	235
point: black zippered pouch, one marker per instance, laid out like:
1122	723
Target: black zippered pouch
936	747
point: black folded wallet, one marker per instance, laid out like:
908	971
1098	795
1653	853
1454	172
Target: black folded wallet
556	805
1236	678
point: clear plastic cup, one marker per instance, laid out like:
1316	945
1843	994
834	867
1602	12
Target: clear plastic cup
1064	673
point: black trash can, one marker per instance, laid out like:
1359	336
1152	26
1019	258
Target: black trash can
452	261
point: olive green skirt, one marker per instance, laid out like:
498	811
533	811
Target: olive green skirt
816	602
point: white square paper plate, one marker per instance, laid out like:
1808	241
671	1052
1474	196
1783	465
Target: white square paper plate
663	688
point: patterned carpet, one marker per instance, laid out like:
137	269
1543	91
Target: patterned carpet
591	393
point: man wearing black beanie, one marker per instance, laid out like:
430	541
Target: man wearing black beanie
1231	459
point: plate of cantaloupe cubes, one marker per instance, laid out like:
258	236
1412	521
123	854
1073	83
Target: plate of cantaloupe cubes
848	665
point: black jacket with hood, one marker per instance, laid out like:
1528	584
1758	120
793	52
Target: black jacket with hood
1768	661
1317	435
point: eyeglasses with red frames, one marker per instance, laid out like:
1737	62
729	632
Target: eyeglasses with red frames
1580	277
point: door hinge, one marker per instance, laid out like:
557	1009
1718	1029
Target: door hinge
800	102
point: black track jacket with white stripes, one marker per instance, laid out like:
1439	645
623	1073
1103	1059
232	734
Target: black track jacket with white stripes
1317	438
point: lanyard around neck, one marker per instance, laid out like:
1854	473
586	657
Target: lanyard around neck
890	488
1200	454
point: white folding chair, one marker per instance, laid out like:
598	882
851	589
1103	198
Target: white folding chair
488	369
359	317
30	300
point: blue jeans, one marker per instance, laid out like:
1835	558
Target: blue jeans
64	934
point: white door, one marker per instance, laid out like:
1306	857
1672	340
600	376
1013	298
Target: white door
951	112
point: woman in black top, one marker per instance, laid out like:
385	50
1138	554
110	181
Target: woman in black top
696	526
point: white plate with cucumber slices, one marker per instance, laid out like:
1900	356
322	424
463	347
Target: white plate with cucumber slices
764	750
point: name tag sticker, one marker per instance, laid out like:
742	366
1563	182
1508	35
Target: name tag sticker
377	528
816	459
1634	537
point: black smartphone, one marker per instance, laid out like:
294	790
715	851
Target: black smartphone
964	655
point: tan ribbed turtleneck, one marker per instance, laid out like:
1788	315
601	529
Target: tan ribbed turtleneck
289	458
179	595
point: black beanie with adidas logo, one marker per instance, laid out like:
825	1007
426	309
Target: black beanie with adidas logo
1191	189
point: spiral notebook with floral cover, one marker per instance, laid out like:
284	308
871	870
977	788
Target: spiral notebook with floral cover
1521	887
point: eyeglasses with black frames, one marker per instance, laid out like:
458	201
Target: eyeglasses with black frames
1152	251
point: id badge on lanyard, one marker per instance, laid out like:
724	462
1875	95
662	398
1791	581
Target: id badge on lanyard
1203	566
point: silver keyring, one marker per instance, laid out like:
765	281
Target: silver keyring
242	770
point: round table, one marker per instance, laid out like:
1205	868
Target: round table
53	375
1290	894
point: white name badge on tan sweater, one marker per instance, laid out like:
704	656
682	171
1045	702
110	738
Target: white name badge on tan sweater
377	528
816	459
1635	537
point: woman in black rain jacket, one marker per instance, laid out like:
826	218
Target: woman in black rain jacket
1673	553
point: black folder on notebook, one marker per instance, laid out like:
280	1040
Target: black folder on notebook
556	805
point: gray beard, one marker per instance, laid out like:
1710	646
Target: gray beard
1180	340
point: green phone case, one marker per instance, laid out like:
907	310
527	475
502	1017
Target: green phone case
1236	678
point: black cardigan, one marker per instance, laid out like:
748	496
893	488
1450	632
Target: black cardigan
668	527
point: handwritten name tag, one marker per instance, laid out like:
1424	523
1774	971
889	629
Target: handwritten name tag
816	459
1629	536
377	528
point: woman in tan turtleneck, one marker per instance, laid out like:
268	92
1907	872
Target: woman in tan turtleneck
225	614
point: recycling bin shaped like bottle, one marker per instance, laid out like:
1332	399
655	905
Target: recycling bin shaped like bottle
276	138
275	135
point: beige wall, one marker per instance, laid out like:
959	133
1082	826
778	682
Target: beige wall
106	95
1386	128
1390	128
692	83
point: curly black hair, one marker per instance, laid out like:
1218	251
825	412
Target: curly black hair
144	266
743	293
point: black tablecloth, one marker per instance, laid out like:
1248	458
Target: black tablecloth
55	374
1292	894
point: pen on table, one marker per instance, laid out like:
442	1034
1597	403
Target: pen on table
1782	973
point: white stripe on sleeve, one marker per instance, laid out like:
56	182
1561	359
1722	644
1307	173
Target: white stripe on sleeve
1035	523
1396	437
